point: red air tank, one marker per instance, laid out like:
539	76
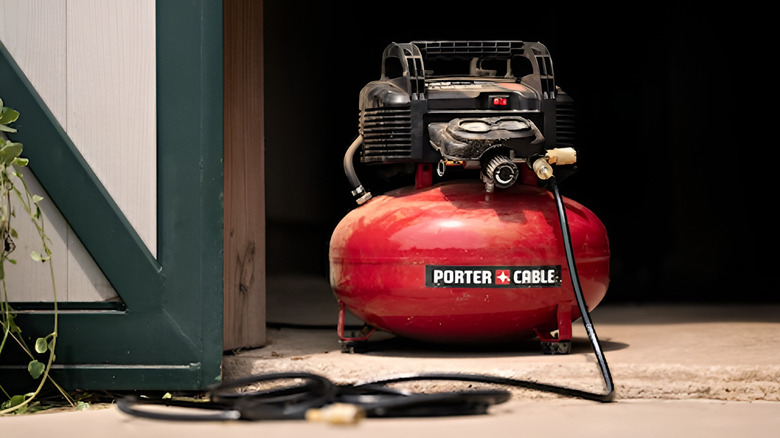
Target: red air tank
452	263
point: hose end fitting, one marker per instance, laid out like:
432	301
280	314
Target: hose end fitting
361	195
542	168
336	413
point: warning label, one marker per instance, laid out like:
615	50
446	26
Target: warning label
492	276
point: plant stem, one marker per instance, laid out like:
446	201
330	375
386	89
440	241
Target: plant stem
50	360
27	204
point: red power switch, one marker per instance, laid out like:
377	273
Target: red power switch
500	101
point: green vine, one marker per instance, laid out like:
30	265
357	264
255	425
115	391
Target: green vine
41	355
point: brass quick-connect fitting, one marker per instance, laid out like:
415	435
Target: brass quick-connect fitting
542	168
561	156
337	413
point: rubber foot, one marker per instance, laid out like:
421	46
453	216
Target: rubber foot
352	347
557	347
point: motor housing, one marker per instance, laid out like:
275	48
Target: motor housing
425	85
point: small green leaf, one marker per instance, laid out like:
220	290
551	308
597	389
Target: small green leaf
36	199
36	368
37	257
11	324
13	401
21	162
8	115
41	345
10	152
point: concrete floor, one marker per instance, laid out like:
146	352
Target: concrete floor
678	370
625	418
676	352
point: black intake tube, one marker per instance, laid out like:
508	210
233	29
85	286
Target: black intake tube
358	191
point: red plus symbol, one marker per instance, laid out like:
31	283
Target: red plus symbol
502	276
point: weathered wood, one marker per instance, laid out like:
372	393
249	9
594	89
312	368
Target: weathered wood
244	205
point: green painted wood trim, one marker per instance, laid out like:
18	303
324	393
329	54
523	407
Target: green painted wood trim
76	191
169	334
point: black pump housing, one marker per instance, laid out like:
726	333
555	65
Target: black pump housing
460	100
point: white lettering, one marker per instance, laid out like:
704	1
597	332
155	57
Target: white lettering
457	276
521	276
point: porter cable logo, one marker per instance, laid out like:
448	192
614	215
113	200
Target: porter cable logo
492	276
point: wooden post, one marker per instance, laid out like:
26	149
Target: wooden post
244	202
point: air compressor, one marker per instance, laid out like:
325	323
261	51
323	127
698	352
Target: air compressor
479	246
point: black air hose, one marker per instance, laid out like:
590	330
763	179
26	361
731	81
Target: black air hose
608	396
575	281
374	399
